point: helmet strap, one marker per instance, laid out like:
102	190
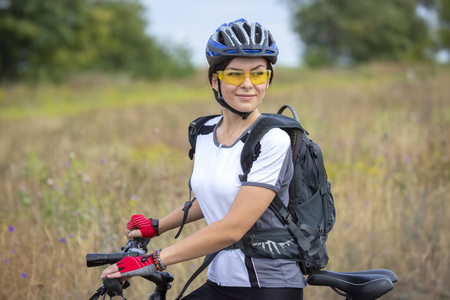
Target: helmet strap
221	101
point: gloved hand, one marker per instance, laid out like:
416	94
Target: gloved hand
136	266
148	227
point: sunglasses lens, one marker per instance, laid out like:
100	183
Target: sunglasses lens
259	76
233	77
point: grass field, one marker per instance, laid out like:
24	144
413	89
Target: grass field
77	160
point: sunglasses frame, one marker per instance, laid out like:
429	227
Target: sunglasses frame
221	75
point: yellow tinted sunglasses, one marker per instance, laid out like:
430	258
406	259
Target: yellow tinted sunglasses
237	77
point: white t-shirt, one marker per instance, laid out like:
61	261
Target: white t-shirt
215	182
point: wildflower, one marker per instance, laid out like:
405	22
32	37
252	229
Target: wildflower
6	260
10	228
86	179
24	275
67	163
133	197
50	181
72	155
13	251
70	235
63	240
408	159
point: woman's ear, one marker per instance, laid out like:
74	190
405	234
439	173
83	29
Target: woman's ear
215	82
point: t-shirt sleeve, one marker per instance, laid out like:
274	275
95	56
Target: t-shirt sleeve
271	165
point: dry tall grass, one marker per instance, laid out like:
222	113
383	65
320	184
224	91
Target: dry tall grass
77	161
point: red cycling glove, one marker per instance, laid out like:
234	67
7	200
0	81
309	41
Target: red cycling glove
136	266
144	225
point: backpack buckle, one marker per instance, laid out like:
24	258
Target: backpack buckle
192	128
287	218
243	177
187	206
321	230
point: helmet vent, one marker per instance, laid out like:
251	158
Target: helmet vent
270	41
239	34
258	35
247	28
220	38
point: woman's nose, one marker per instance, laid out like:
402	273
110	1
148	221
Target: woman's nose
247	83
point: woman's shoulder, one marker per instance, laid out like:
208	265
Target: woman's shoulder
213	121
276	139
277	135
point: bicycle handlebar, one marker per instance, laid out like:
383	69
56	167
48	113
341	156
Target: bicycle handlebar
100	259
115	287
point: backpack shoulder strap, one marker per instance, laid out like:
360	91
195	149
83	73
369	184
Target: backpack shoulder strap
195	128
262	126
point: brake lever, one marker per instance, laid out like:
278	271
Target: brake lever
100	292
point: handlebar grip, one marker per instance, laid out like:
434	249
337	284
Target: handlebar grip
100	259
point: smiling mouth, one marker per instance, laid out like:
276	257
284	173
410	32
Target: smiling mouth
245	96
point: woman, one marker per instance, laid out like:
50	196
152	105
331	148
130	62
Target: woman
240	55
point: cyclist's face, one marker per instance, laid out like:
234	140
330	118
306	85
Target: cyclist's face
245	96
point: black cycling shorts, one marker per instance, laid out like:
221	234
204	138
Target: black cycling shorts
211	290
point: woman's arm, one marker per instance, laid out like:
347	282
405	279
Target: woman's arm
248	206
171	221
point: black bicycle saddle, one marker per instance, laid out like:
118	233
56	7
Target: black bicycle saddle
362	285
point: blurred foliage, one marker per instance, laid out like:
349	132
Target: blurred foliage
77	159
49	39
346	32
444	22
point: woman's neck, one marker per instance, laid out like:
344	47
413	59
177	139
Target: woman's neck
232	126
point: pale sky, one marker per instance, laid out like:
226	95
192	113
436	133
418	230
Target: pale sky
191	23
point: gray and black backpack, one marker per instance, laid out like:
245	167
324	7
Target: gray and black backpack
311	213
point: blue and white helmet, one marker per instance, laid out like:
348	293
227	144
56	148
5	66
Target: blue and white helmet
240	38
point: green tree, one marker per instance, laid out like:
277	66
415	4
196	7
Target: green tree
346	31
36	35
121	43
443	9
48	39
